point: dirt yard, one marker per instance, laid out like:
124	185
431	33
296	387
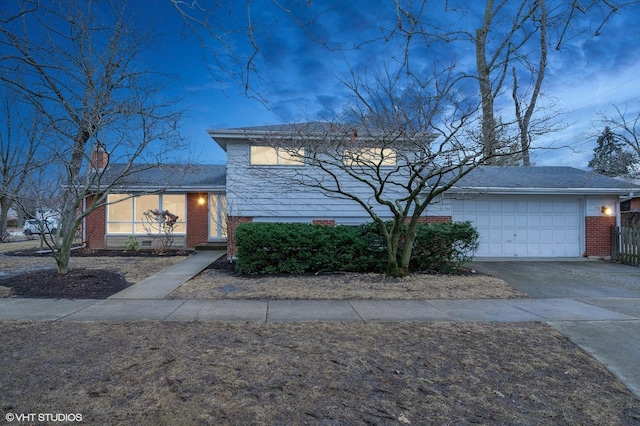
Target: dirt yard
312	373
220	282
150	373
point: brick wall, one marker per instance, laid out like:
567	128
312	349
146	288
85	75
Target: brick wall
232	224
197	219
324	222
96	227
431	219
598	235
434	219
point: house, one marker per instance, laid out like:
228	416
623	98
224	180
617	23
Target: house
630	211
519	211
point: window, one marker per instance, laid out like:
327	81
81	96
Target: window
269	156
370	157
125	215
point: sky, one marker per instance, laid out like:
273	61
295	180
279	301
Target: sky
297	68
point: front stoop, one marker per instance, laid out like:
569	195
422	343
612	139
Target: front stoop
221	245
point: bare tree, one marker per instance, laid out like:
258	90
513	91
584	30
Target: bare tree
625	125
20	138
510	40
399	145
81	67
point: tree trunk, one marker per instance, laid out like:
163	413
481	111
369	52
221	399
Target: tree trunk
394	268
71	202
486	94
4	213
524	119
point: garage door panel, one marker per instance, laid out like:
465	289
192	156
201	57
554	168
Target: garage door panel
508	220
546	207
533	235
572	235
482	220
525	228
530	221
483	206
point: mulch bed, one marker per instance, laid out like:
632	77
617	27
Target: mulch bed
76	284
99	253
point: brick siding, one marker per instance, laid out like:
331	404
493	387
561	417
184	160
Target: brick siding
431	219
324	222
598	235
96	227
232	224
197	219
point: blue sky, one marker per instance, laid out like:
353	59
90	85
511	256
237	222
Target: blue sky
297	75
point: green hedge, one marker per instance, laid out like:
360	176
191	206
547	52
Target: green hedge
443	247
296	248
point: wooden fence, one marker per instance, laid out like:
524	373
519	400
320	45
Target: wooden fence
625	245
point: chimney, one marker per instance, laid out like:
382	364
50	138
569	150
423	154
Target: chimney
99	157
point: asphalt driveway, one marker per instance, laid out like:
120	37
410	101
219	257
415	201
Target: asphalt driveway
616	344
566	279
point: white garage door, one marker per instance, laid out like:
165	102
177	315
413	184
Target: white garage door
523	228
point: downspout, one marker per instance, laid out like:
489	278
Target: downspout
84	222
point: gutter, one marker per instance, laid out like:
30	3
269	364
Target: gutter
541	191
627	197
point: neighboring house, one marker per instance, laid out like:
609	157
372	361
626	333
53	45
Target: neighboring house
519	211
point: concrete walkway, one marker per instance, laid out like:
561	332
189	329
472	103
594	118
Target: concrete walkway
277	311
160	285
144	301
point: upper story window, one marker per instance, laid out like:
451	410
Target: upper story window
370	157
269	156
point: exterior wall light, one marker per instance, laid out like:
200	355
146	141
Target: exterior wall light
201	201
605	210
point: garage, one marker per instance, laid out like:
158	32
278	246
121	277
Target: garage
524	227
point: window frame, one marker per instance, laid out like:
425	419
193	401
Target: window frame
376	157
281	155
133	224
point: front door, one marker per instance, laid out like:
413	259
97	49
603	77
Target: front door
217	217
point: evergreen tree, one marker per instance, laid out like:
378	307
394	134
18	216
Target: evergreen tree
609	158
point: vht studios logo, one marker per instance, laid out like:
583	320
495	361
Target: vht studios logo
43	417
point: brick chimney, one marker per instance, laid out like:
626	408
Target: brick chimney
99	157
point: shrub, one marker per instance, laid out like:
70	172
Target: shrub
159	225
444	247
132	244
296	248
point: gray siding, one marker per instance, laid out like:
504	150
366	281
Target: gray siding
271	193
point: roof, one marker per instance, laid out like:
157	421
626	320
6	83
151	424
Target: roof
315	130
540	179
168	177
483	179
